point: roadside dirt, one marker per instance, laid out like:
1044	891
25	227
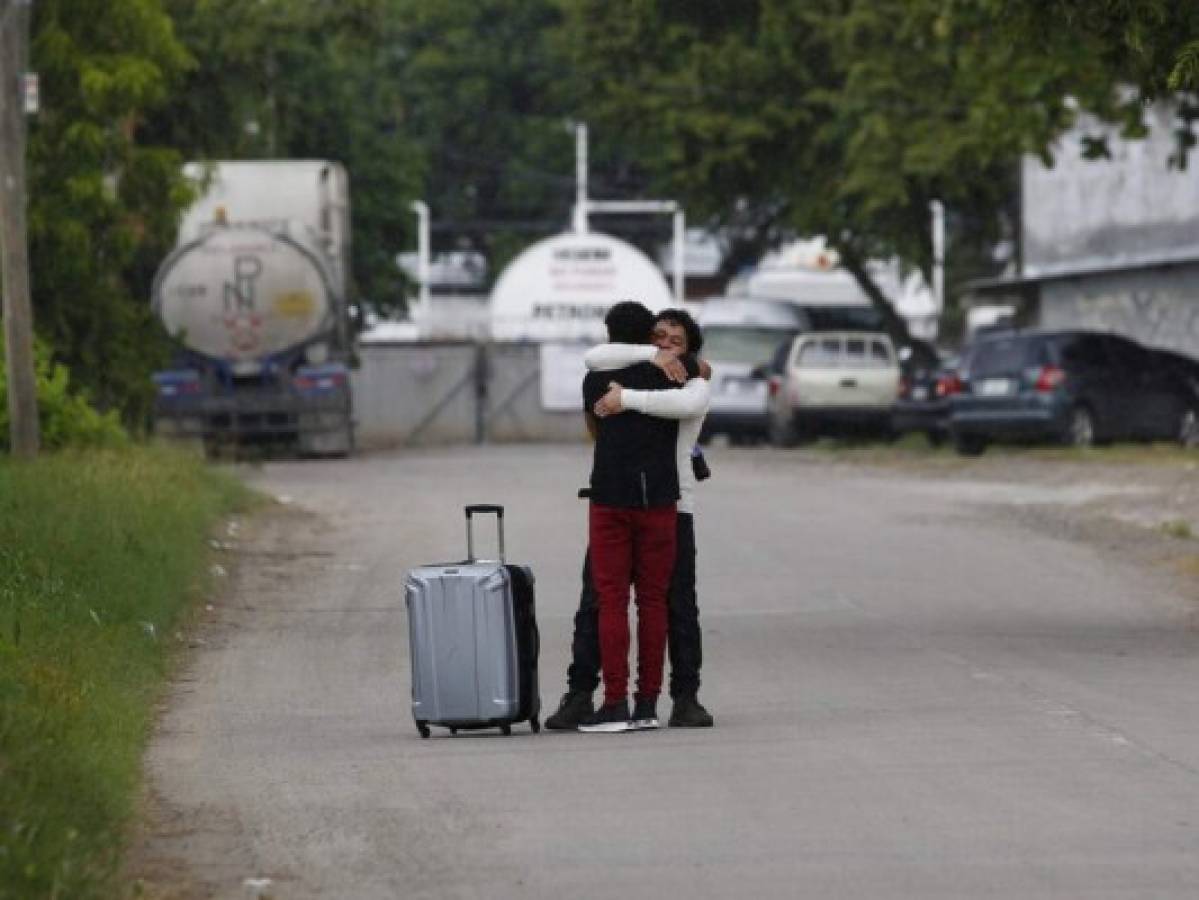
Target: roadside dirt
1139	505
170	849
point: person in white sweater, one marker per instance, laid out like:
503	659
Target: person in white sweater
675	334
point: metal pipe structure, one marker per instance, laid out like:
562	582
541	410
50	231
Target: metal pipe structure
665	207
680	237
423	253
581	202
584	207
938	213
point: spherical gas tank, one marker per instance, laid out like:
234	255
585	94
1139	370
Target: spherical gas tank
242	294
560	288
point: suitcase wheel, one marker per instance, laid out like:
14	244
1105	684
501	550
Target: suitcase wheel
535	725
423	729
506	730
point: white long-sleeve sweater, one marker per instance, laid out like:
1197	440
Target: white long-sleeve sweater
688	404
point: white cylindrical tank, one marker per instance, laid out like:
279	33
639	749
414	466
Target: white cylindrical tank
243	294
560	288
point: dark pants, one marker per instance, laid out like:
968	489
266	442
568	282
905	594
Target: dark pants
683	635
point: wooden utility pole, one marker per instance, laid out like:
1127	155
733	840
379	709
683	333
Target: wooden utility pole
24	433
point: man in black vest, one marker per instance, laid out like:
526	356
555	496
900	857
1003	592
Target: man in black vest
631	528
675	334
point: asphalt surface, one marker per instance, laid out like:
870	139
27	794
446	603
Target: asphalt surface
918	693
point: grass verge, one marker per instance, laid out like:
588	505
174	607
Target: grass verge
101	555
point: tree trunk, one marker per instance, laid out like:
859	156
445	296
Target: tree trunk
24	430
892	321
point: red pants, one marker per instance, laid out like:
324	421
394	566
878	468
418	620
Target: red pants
632	547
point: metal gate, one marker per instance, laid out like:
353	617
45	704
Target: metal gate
455	392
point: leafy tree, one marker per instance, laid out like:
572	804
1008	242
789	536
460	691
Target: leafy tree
929	102
102	202
842	117
1146	50
67	417
293	79
1150	44
739	107
487	97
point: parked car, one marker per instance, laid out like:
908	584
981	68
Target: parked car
925	388
1185	367
740	334
1074	387
833	382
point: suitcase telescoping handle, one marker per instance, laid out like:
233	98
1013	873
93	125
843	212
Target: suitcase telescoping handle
470	536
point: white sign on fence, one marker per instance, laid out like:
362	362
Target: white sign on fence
562	371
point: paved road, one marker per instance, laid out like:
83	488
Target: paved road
915	696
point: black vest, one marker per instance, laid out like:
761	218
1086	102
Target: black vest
634	463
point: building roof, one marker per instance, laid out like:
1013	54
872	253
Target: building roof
1083	269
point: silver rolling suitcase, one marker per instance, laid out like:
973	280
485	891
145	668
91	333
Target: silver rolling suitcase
473	641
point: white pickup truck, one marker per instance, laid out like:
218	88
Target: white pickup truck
832	382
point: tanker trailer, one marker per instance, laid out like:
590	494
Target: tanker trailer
254	295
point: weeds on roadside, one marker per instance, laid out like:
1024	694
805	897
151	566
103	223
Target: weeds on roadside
1177	528
100	554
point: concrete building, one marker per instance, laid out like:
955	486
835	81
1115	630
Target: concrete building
1112	244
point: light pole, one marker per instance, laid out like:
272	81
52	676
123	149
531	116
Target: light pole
666	207
581	202
938	215
423	262
585	206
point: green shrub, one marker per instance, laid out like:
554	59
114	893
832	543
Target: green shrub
66	417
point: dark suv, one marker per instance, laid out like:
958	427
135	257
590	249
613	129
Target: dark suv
1076	387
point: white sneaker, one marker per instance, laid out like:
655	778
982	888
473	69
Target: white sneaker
608	719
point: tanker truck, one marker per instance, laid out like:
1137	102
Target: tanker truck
254	295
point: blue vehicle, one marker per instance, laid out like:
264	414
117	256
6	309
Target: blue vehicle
1073	387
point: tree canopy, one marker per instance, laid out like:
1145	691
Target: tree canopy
297	79
768	118
848	117
102	202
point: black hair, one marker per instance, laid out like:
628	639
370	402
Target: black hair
629	322
695	335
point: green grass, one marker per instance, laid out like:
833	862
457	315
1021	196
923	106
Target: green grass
101	557
1177	528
